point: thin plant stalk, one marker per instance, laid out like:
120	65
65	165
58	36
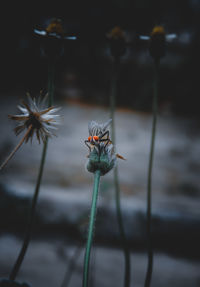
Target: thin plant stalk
23	250
93	268
71	266
16	148
20	258
116	178
91	228
149	179
51	80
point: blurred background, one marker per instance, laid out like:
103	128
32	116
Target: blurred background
82	87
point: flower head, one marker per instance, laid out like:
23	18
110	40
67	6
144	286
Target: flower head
102	154
116	33
37	118
55	26
157	41
158	30
54	30
117	42
52	38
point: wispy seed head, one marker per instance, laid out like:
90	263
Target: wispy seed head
36	117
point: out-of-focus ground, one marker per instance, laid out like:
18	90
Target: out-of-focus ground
47	261
66	191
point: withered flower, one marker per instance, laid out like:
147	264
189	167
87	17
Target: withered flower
157	41
117	41
102	154
54	30
52	38
36	118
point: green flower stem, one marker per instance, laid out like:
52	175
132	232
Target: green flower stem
149	180
91	228
27	238
116	178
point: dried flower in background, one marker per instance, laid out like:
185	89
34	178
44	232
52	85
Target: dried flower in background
117	40
157	41
52	37
54	30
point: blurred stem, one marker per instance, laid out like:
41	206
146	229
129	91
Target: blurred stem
22	253
71	266
16	148
91	228
116	178
27	238
51	80
149	180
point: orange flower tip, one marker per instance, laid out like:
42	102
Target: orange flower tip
116	33
158	30
55	26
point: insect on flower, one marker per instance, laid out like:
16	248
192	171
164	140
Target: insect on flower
36	118
102	152
98	134
157	41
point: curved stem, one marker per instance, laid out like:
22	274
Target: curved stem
149	180
16	148
91	228
27	238
116	178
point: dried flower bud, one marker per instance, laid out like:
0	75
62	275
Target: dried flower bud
55	26
117	42
157	41
103	159
52	39
157	44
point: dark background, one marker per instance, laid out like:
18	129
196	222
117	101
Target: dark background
86	63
